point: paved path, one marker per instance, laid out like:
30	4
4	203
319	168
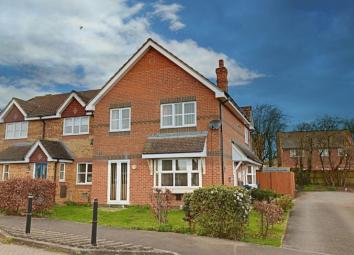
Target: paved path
183	244
12	249
322	222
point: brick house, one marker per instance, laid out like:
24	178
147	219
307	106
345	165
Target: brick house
315	150
156	123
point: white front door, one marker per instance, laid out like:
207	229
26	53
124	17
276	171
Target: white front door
118	182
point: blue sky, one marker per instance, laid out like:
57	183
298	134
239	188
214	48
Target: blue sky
298	55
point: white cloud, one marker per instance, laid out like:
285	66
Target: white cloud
168	12
43	38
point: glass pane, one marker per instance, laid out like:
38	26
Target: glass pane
189	119
178	108
81	178
178	120
113	192
76	125
84	120
166	165
195	179
181	165
115	114
123	181
166	110
89	177
125	113
18	129
125	124
89	168
189	108
249	179
181	179
82	168
249	169
167	121
195	164
61	175
115	124
166	179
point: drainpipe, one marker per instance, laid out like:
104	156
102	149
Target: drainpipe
222	142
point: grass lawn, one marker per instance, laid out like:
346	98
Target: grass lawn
138	217
318	187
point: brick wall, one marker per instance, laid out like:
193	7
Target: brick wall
14	115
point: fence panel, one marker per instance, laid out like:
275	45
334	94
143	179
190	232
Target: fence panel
279	182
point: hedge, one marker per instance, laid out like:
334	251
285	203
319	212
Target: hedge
14	195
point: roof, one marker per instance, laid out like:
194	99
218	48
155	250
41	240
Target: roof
185	142
48	105
298	139
21	151
16	152
247	152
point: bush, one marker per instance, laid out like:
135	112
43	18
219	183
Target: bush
219	211
270	215
263	195
284	202
189	216
14	195
161	203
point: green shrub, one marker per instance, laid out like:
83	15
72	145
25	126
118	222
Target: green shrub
284	202
263	195
189	216
219	211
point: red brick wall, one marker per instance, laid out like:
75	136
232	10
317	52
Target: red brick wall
73	109
38	156
152	79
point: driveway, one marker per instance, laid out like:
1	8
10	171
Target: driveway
322	222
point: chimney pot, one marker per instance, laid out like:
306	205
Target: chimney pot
221	76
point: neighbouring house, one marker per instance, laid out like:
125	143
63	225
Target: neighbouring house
157	123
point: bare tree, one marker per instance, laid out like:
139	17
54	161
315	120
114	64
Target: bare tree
268	121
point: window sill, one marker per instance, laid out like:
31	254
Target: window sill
179	190
76	134
84	184
117	133
16	138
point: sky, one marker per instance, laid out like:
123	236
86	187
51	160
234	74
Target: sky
297	55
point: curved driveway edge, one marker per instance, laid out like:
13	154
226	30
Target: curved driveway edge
322	222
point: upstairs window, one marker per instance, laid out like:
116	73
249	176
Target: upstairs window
76	125
323	152
296	153
16	130
178	115
120	119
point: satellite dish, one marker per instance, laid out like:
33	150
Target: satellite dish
215	124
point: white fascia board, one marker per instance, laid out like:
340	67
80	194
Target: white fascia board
13	102
218	92
34	147
175	155
67	101
13	162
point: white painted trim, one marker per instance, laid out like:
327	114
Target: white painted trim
118	201
67	102
235	171
150	43
13	162
14	123
12	102
175	155
120	118
77	173
73	119
242	157
3	172
63	179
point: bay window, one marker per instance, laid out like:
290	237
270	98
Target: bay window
178	173
76	125
178	115
16	130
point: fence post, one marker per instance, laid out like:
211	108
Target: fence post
94	223
29	214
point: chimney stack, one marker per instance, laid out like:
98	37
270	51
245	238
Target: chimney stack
221	76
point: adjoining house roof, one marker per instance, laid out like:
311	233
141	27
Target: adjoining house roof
48	105
18	152
299	139
186	142
247	152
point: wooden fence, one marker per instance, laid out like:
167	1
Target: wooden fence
279	182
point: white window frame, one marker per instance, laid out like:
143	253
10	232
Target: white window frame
72	127
120	119
62	170
7	172
323	152
15	124
296	153
341	152
86	170
158	171
247	136
174	115
253	174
